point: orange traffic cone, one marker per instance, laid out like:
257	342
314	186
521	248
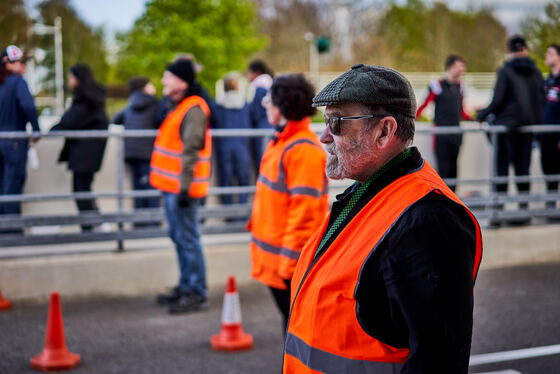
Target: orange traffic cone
55	355
231	337
4	303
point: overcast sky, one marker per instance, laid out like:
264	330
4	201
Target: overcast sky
119	15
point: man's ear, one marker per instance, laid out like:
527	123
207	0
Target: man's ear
387	129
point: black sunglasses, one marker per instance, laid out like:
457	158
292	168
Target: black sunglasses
334	121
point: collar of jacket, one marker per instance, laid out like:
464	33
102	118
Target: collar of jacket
291	128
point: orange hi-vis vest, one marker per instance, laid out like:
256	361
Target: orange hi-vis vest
290	202
324	334
167	163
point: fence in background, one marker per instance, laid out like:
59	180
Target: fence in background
487	205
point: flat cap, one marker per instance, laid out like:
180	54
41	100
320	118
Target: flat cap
376	85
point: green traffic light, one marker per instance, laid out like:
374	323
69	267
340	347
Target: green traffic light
323	43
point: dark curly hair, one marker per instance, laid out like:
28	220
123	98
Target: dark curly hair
293	95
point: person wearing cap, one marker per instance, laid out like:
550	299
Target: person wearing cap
386	283
291	191
180	167
518	100
17	108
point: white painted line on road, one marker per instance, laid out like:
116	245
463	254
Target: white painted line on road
501	372
519	354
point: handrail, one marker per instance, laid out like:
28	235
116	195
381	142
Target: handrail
484	206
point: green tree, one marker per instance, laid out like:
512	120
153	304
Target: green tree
419	37
80	42
540	32
285	23
14	23
221	34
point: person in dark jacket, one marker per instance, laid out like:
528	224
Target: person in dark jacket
140	114
234	160
550	142
87	112
261	79
386	283
518	100
16	109
447	95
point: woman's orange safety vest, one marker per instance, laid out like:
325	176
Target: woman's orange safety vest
324	335
290	202
167	162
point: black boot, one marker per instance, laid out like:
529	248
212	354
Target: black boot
188	302
169	297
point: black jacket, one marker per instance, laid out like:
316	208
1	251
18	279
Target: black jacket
518	94
87	112
139	114
416	290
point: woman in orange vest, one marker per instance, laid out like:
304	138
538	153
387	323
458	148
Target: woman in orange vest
291	193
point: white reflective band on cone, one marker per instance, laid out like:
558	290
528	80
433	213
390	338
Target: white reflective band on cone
231	312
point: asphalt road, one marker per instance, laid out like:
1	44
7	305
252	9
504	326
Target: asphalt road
516	308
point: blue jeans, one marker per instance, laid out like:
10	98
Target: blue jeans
183	230
13	161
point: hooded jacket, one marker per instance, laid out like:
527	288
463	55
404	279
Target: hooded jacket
518	94
87	112
139	114
232	112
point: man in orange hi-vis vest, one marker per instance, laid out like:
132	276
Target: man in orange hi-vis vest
180	167
386	283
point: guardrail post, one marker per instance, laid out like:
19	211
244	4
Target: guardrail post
493	174
120	187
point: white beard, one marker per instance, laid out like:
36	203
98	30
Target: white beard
348	161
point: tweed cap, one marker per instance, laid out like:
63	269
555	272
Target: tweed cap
376	85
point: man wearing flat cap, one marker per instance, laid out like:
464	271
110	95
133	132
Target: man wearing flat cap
180	167
386	284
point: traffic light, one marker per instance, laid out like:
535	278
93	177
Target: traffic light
323	43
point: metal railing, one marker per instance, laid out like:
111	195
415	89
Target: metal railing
486	204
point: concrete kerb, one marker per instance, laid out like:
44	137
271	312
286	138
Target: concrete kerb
150	266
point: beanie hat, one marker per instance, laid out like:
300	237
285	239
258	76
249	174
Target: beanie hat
371	85
183	69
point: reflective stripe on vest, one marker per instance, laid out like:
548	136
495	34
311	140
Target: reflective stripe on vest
326	362
323	317
281	251
290	202
167	164
281	186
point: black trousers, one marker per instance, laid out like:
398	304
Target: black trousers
282	299
550	158
447	153
81	182
514	149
